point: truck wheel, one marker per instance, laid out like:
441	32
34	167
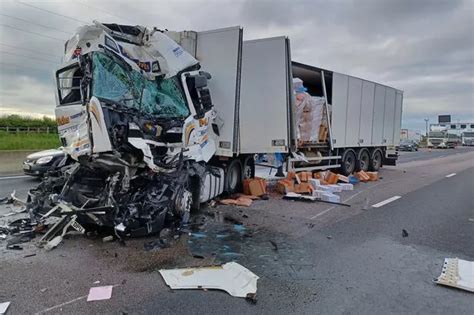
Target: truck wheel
348	162
375	160
248	169
363	160
233	176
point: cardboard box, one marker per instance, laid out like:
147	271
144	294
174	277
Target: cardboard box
346	186
331	177
330	197
285	186
303	188
362	176
335	188
245	186
318	193
343	178
314	182
373	176
257	187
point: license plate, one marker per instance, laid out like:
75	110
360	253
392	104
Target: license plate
26	166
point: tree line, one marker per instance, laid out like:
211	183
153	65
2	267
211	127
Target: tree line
17	121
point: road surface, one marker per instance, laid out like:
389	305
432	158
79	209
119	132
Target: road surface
329	259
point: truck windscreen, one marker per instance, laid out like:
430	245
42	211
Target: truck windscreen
162	98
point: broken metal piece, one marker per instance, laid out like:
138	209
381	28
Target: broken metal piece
52	238
457	273
231	277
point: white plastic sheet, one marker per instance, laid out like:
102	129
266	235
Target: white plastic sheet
231	277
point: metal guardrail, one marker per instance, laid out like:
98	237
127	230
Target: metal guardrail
46	130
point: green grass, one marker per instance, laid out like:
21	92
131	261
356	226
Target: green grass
31	141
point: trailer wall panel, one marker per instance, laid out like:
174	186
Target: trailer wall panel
366	113
353	112
340	87
378	116
389	116
398	117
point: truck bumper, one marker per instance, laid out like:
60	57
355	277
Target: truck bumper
390	159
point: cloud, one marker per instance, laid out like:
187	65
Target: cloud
425	48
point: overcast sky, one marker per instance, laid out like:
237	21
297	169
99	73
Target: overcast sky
425	48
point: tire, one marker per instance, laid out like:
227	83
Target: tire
348	162
363	160
248	167
233	174
376	160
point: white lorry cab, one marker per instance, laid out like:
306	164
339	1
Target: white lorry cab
467	138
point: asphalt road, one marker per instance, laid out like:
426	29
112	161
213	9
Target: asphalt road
426	154
329	259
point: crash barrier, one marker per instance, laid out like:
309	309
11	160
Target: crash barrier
29	129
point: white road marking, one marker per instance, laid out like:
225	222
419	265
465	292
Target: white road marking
389	200
61	305
14	177
450	175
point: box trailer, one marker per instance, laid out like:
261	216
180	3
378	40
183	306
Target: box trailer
364	126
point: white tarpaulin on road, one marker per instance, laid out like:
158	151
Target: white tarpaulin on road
457	273
231	277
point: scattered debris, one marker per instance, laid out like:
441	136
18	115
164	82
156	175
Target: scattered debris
457	273
329	237
4	307
14	247
107	239
43	290
240	201
100	293
96	282
404	233
300	197
471	219
275	246
29	255
231	277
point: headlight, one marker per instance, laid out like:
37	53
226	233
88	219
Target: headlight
44	159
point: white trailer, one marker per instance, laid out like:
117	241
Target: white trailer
252	90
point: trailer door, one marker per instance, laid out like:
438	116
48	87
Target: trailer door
377	121
389	116
398	117
265	96
219	53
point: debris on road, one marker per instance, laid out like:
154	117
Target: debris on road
457	273
100	293
4	307
404	233
231	277
240	201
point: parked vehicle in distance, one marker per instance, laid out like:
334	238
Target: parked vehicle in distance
442	140
39	163
408	145
467	138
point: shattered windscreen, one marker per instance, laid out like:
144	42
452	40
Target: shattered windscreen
162	97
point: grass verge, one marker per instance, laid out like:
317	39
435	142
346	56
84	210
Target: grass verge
31	141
